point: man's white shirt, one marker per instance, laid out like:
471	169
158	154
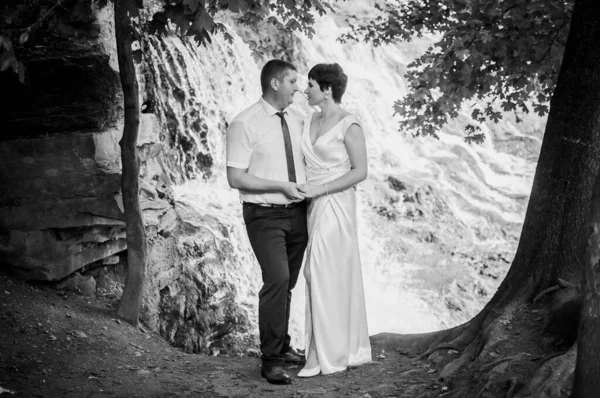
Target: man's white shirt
255	142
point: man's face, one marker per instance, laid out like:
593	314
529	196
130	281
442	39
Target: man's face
288	85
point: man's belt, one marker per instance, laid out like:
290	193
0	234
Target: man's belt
276	206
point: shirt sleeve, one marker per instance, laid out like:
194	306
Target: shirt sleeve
239	148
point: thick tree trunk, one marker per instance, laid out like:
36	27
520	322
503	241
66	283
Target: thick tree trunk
553	245
587	380
577	97
126	33
553	239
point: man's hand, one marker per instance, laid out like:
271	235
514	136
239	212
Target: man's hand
311	190
290	190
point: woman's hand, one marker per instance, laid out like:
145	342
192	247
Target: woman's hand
291	191
311	190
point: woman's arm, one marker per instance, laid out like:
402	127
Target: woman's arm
240	179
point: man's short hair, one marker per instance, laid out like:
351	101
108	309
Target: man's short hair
275	68
330	75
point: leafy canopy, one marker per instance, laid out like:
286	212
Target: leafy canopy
196	18
505	54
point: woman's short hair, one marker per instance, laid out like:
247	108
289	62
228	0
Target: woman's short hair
275	68
330	75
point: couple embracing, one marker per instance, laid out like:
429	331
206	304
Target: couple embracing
296	176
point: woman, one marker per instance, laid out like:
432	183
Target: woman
334	147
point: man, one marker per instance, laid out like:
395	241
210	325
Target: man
265	163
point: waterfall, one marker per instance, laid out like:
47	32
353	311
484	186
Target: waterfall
439	219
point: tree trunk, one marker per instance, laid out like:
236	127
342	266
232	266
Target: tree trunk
587	380
126	18
553	240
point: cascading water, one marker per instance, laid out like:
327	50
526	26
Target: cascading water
439	219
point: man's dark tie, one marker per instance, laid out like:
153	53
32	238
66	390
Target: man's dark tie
289	155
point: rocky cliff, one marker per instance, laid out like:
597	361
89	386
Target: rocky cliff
61	214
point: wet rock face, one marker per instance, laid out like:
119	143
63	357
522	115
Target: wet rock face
60	205
61	213
196	286
69	86
60	201
60	166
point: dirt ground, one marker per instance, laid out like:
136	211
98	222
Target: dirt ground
57	344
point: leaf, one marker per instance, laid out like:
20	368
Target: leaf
158	23
541	109
228	37
24	37
191	4
203	22
5	43
6	59
508	106
463	54
475	139
233	6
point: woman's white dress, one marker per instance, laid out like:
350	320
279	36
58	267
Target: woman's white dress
336	317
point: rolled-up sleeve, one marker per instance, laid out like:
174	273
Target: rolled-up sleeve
239	148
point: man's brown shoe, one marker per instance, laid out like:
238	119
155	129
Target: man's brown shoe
294	357
275	375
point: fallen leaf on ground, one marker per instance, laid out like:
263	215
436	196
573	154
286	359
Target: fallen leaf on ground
2	391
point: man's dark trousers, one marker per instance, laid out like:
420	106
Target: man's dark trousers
278	237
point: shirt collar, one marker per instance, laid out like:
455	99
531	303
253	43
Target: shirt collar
269	108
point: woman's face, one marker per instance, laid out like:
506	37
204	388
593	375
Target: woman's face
313	93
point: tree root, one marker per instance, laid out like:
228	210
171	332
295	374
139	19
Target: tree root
484	339
553	379
500	373
499	346
414	343
518	357
447	346
561	284
545	292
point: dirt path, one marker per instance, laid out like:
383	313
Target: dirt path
64	345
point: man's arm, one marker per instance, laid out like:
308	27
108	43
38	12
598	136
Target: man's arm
240	179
